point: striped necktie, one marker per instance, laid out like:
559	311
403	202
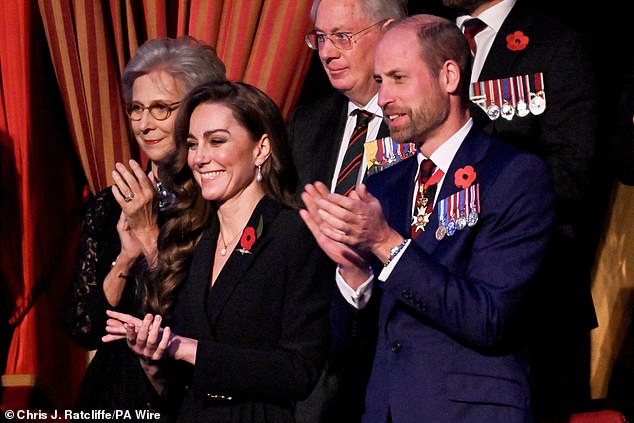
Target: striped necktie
347	179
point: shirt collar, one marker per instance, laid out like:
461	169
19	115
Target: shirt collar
372	106
494	16
443	156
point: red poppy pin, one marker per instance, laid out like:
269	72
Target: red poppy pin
249	236
464	177
516	41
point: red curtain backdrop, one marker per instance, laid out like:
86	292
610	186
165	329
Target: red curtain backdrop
62	128
261	42
40	204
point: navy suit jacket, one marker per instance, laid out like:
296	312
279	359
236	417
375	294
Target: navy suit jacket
451	316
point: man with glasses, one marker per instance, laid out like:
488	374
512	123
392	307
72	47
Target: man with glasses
344	36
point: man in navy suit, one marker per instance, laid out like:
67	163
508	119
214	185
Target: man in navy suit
523	56
442	280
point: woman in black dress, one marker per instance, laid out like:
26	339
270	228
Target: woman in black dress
248	289
121	225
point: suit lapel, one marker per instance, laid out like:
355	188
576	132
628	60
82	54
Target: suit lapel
332	129
470	153
384	131
394	187
405	214
240	262
199	277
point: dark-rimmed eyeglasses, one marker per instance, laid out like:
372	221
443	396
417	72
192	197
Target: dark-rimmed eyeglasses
159	110
341	40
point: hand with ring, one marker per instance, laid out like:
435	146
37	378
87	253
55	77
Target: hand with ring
130	183
142	214
129	197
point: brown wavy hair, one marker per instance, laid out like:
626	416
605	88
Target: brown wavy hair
190	214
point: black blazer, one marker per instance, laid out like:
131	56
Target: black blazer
315	130
565	135
621	153
262	329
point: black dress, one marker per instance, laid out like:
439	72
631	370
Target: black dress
114	379
262	329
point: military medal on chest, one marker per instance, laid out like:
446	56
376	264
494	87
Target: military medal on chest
427	181
385	152
423	211
522	106
458	211
507	111
441	232
493	110
519	95
461	220
537	103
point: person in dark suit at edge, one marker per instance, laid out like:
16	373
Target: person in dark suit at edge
622	135
452	282
534	85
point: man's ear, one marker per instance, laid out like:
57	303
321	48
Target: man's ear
450	76
385	25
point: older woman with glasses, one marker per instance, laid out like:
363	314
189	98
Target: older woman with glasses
120	228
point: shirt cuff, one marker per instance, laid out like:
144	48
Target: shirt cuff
387	270
358	298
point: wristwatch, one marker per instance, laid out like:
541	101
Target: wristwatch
394	251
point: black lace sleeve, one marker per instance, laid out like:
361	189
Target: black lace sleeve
98	247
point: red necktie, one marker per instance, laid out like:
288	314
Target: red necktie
426	191
471	28
347	179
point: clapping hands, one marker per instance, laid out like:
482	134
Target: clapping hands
146	337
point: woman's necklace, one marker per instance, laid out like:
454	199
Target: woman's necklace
223	250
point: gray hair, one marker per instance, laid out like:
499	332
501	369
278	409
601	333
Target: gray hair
185	58
376	9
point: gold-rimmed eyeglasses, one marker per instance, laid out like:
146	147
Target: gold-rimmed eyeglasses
341	40
158	109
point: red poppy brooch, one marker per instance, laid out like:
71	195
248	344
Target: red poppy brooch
249	236
516	41
464	177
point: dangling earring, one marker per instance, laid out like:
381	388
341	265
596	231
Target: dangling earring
258	177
